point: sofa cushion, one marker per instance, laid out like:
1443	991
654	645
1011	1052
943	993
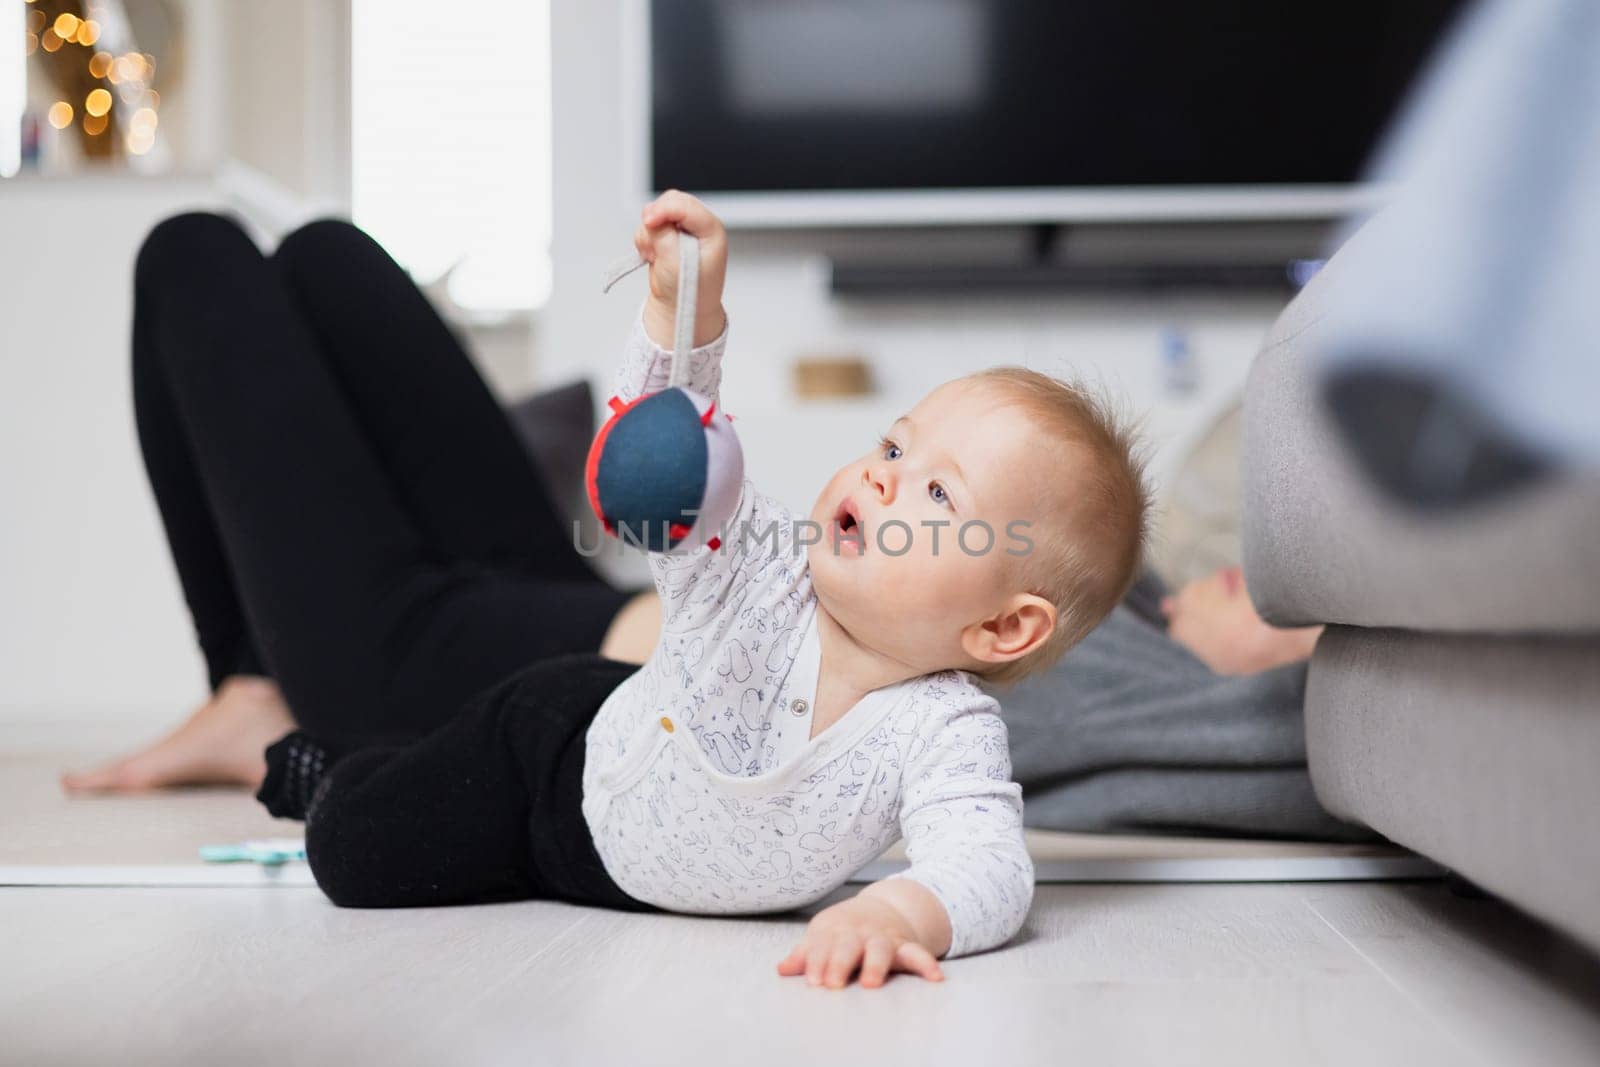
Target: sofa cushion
1321	545
1476	751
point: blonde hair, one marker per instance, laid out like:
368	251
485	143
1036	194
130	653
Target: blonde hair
1088	552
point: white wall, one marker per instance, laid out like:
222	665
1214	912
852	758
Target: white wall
287	91
90	611
91	616
779	305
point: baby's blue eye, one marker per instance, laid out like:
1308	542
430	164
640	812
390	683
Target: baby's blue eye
936	491
891	450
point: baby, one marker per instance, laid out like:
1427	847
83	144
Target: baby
813	696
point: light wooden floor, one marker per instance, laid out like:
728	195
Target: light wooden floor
1236	975
1358	973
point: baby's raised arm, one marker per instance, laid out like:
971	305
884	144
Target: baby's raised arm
647	359
694	586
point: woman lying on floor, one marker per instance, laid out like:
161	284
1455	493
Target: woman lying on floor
438	566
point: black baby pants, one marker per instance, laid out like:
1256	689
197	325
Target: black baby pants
486	808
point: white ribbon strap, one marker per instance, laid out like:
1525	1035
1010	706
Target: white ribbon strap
688	287
688	283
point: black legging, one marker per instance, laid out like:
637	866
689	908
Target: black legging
348	507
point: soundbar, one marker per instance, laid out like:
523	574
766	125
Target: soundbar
868	280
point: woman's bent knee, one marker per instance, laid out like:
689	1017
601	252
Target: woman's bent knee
325	243
193	242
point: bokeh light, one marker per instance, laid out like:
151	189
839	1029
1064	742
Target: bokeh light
132	67
94	125
98	102
144	119
30	44
100	64
66	26
50	40
60	114
88	32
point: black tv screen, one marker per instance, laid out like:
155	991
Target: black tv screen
806	96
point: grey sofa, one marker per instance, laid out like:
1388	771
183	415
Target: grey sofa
1453	704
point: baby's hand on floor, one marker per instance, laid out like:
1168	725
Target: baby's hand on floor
860	932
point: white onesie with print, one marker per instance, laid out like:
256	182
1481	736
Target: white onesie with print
702	786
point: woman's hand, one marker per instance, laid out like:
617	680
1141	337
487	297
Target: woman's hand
864	932
1214	619
657	242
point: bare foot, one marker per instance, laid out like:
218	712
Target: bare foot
221	744
1214	619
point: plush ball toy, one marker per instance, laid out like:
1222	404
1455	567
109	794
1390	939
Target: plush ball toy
665	470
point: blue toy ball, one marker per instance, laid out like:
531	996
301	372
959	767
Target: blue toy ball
665	471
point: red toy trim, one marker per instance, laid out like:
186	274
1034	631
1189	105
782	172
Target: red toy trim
591	465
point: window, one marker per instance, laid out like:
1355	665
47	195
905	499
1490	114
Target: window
450	144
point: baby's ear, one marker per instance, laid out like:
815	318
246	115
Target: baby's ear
1021	626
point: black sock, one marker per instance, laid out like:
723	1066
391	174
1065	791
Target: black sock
296	765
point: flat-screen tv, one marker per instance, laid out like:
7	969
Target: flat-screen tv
827	112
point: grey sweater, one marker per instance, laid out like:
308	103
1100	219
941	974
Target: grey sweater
1131	733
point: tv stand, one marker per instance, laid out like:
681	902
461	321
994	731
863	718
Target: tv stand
1043	269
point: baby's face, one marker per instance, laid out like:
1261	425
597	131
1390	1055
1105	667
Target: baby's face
917	531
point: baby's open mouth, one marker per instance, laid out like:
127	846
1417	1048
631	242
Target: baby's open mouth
847	535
